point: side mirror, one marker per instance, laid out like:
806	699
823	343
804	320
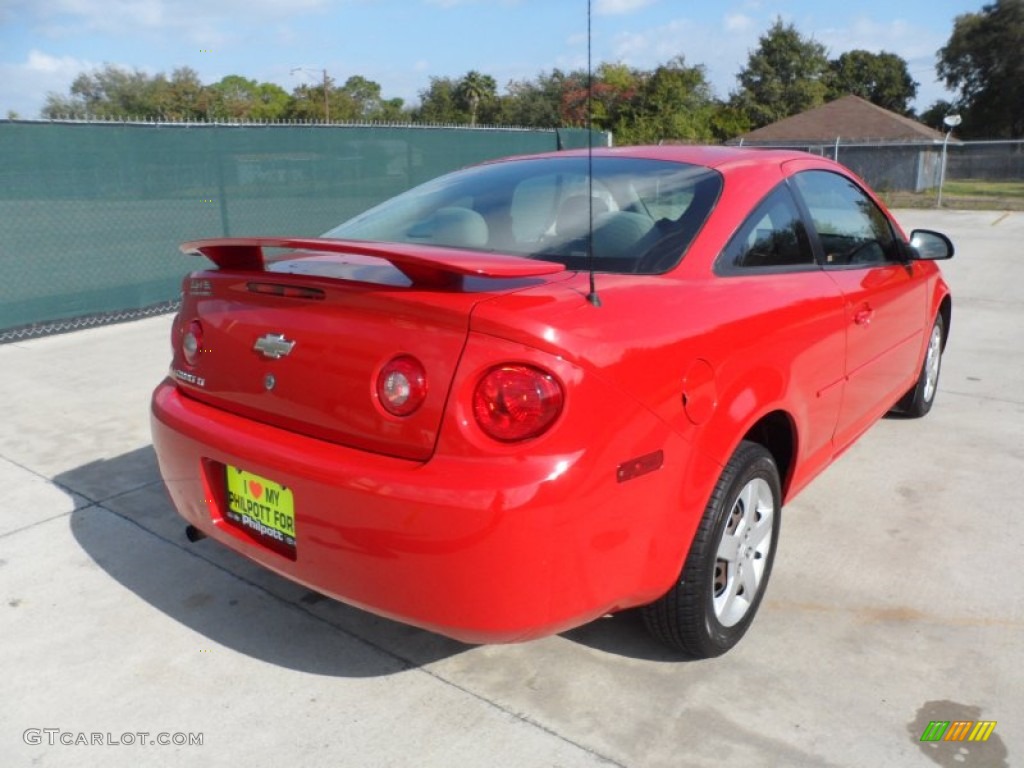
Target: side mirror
926	245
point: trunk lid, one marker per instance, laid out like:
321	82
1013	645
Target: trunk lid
298	342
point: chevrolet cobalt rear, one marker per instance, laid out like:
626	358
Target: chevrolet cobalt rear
540	390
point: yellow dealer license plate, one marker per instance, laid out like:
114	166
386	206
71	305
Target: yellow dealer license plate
261	506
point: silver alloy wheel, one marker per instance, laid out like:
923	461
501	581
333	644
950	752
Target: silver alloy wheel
931	364
743	552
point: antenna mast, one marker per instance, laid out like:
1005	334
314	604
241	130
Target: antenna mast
592	296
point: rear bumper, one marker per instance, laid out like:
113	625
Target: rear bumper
479	549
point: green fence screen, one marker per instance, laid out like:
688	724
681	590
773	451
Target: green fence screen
91	214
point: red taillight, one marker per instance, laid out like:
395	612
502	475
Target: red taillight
517	402
402	385
192	342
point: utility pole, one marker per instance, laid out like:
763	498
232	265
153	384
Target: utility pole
327	110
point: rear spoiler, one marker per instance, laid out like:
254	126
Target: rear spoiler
423	264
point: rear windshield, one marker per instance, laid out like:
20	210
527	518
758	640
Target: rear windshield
643	213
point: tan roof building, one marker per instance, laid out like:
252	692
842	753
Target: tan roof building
850	119
888	150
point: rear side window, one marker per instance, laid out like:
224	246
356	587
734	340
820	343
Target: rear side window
852	230
614	214
773	236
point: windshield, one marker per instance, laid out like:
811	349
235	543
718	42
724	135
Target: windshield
643	213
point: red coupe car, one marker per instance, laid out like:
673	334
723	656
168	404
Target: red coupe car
543	389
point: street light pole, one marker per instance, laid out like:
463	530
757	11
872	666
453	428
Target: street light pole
951	121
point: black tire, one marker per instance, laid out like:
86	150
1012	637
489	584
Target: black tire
687	618
918	400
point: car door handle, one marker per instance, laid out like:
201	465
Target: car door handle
863	316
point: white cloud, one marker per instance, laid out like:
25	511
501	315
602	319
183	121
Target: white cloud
915	45
26	83
738	22
619	7
722	51
193	21
652	45
40	62
867	34
446	4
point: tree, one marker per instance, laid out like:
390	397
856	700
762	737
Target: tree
233	97
357	99
439	103
114	93
727	122
613	97
784	76
238	98
475	89
360	99
932	117
881	78
109	93
534	103
984	62
307	101
675	103
271	102
182	97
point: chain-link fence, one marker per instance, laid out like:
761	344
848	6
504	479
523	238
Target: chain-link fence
91	213
917	167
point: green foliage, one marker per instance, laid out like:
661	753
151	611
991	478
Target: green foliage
675	104
440	103
881	78
727	122
932	117
183	97
360	99
785	75
109	93
534	102
233	97
475	90
984	62
312	101
271	102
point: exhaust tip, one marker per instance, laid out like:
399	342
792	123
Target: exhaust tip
193	534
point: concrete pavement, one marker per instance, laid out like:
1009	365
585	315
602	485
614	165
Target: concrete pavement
897	598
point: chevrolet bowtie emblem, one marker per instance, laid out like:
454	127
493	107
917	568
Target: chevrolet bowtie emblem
273	345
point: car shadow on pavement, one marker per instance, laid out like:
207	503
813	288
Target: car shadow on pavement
129	528
623	634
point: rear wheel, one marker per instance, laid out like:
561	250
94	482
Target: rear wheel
724	577
918	401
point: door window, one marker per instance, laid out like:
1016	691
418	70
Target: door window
852	230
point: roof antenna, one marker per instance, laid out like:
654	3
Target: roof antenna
592	297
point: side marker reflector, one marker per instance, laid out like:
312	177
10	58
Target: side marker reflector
641	465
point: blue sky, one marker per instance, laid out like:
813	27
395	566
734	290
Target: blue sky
401	43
